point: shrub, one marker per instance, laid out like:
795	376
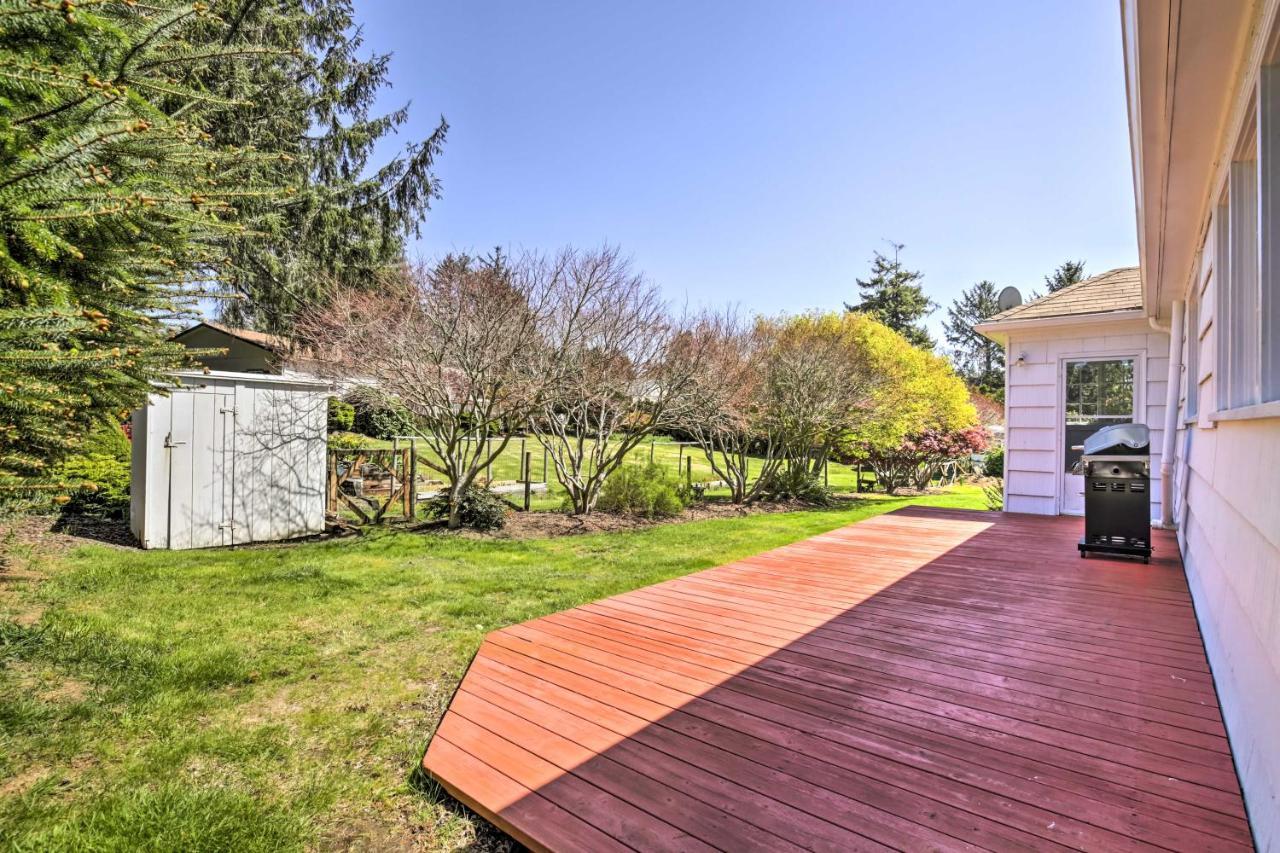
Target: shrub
342	415
99	475
993	492
347	440
479	509
647	490
916	460
795	483
994	464
379	420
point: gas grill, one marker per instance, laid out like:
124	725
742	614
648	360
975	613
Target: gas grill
1117	491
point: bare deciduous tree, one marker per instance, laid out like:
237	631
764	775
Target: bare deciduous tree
454	344
723	406
615	367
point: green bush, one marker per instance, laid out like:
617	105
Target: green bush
378	420
347	440
479	509
342	415
647	490
994	464
98	476
789	483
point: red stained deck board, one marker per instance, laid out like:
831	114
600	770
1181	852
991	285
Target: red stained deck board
926	679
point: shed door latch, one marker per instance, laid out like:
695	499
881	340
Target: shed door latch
169	442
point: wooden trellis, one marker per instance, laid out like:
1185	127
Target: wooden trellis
367	482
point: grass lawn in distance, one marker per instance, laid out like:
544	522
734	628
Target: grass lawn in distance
663	451
279	698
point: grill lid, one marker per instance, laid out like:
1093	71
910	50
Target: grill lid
1119	440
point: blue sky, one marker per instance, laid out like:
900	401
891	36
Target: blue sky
758	153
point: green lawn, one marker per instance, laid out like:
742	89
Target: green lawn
664	451
280	697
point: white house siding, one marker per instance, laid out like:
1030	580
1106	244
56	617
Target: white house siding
1229	530
1034	444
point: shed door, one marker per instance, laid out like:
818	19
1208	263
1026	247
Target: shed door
1098	393
199	445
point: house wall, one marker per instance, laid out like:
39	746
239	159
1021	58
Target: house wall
1034	457
1229	531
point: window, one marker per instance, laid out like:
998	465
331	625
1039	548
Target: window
1192	342
1269	228
1098	394
1247	309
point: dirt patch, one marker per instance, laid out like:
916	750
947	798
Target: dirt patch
546	525
69	690
22	780
57	534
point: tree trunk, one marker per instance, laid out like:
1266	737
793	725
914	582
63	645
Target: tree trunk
455	506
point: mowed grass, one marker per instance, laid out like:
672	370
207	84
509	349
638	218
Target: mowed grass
280	698
669	454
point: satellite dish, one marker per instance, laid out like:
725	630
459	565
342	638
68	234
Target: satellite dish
1009	298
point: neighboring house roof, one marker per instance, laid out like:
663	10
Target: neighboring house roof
274	343
1114	290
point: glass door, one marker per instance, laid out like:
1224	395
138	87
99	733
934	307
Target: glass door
1097	393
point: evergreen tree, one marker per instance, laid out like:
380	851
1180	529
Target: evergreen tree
979	360
312	97
114	208
894	296
1069	272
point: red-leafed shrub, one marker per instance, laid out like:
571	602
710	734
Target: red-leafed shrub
915	462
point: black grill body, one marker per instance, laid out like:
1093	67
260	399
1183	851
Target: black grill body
1117	492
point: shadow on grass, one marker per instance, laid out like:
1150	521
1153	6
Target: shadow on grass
488	838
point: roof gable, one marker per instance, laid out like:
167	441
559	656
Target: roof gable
272	343
1114	290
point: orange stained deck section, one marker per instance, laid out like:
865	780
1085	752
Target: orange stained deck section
926	679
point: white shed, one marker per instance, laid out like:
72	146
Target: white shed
228	458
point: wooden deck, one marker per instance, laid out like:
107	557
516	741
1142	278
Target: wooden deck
926	679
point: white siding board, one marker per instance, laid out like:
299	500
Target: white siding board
1030	503
1031	439
1039	417
1032	483
1032	395
1031	460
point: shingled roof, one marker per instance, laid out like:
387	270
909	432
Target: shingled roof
1114	290
274	343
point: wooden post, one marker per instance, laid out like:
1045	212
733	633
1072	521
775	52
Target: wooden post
826	478
688	471
333	482
406	502
857	484
413	477
528	485
544	463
